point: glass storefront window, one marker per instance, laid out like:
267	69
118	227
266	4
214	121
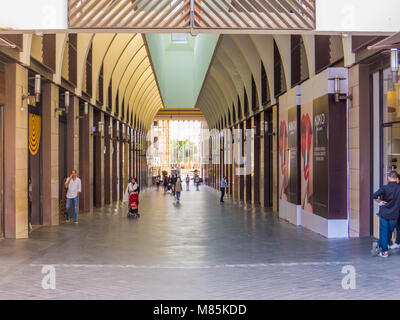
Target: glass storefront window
391	149
391	105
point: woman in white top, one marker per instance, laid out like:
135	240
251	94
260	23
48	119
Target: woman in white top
132	196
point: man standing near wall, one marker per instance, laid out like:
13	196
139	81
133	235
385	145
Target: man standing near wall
74	186
388	198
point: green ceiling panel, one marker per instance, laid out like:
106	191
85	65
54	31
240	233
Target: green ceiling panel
181	66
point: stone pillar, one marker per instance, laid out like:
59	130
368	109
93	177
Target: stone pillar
16	155
107	161
84	161
91	173
50	155
99	158
115	152
136	155
275	122
72	141
126	158
121	164
243	176
236	156
359	152
261	182
254	162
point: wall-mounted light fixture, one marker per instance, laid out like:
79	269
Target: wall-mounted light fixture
67	101
338	95
394	64
268	129
38	87
32	100
85	111
101	126
98	130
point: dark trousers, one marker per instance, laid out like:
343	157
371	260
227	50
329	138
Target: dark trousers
398	231
222	194
386	228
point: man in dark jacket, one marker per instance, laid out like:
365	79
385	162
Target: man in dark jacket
388	198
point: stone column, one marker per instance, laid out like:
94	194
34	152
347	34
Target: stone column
16	155
359	152
114	179
91	173
120	164
126	158
243	176
275	123
72	141
84	162
107	161
99	158
254	162
261	181
236	156
50	155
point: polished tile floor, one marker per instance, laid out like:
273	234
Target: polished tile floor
198	249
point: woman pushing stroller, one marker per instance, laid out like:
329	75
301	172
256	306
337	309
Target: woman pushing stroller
132	197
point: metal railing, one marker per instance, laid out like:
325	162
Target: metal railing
203	15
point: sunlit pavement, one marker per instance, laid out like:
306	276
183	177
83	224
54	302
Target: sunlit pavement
198	249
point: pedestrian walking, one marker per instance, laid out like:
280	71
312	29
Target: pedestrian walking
187	182
74	186
197	182
165	183
388	198
132	197
178	189
224	185
173	184
158	182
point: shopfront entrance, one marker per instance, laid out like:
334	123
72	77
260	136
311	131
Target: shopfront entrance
268	158
386	133
35	214
2	102
387	110
62	161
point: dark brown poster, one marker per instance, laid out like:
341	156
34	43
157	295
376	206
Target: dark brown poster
320	156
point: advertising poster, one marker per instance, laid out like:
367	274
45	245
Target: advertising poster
293	165
283	156
306	161
320	156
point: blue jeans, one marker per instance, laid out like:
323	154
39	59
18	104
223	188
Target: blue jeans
386	228
178	195
74	202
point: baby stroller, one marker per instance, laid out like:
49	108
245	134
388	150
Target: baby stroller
134	205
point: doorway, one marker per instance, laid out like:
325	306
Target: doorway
107	160
268	158
2	102
62	162
256	159
249	159
35	214
97	155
